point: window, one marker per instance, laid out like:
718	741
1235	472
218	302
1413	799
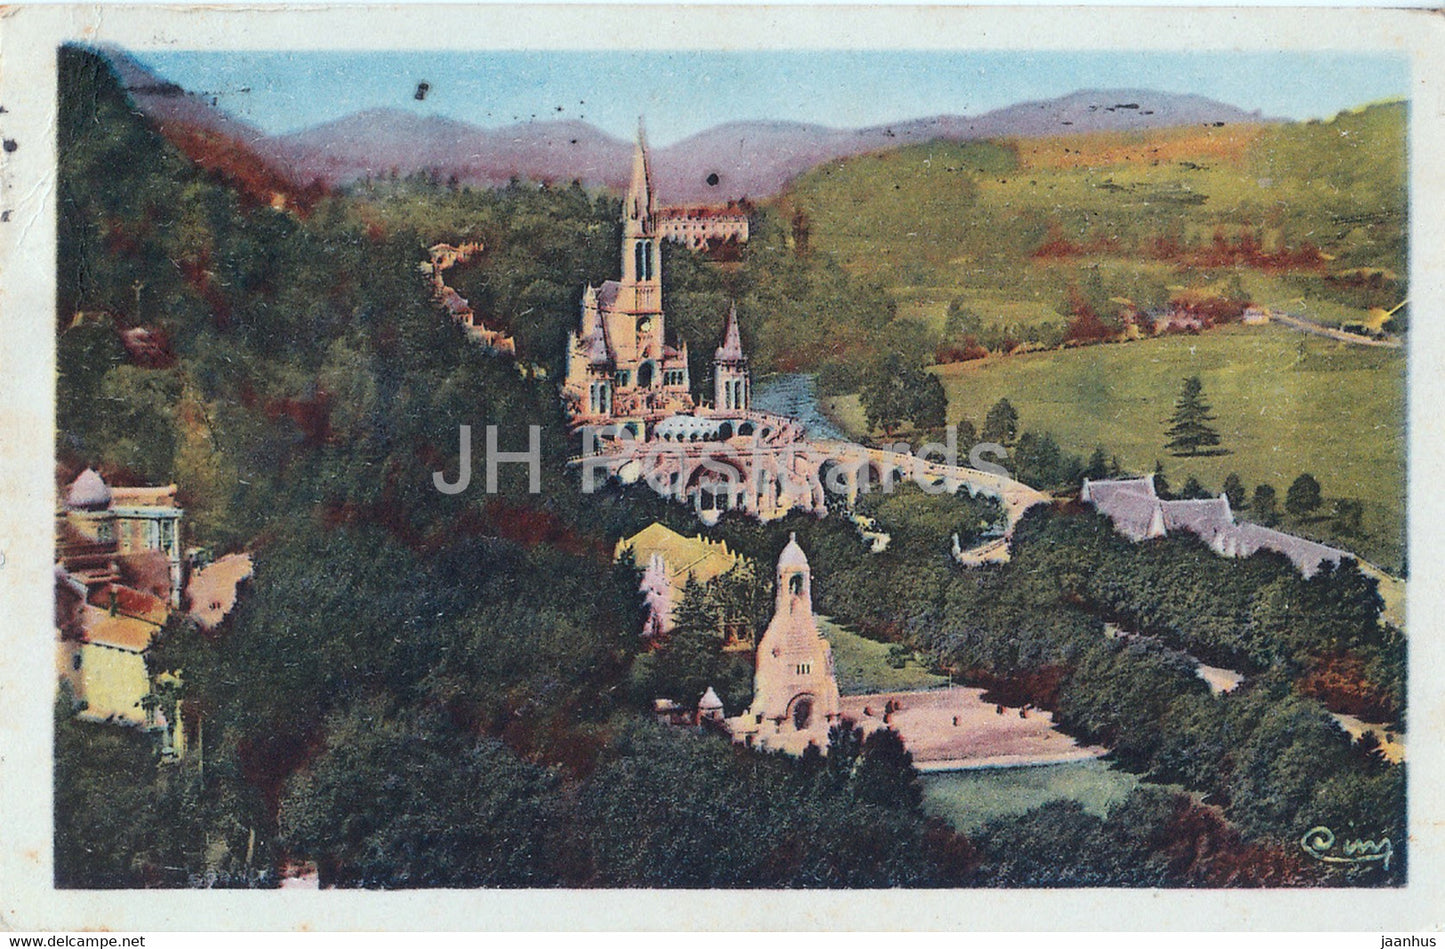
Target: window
805	668
642	259
75	661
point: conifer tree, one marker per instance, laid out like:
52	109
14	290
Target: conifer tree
1161	481
1303	497
1189	430
1001	424
1234	490
1264	506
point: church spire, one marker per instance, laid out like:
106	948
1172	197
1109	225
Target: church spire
732	384
731	349
640	202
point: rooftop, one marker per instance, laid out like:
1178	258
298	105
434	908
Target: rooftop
702	558
89	490
119	631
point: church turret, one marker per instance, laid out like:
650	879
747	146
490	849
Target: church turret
795	693
641	263
731	382
795	583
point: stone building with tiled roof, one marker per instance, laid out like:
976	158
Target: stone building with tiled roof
703	226
100	529
118	575
668	560
1138	513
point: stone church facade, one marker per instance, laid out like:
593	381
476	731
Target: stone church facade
619	364
628	395
795	691
624	378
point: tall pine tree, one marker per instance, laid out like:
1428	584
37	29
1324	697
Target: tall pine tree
1189	430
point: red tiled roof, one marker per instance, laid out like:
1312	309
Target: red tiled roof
118	632
134	603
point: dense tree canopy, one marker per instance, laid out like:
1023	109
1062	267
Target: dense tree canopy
393	699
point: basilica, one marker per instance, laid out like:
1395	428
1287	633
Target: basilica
624	378
619	364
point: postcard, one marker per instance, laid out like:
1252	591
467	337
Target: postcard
720	467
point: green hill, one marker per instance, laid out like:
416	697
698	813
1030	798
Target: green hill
1305	217
1285	403
1008	227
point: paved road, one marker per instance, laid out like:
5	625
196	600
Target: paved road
1318	329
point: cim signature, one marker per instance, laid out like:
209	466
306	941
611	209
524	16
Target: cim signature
1319	842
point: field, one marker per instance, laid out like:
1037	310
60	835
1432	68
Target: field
862	664
947	221
1285	402
970	799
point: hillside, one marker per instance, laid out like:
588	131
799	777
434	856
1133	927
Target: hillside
1304	210
237	153
1285	403
374	142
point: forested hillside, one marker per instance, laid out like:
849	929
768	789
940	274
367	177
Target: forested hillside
392	697
422	689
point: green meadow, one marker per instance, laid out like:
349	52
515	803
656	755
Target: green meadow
1286	403
862	664
1133	218
946	221
970	799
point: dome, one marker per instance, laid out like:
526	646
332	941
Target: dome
709	700
792	557
88	491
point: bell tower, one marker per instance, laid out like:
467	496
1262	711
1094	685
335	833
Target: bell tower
731	382
795	692
641	257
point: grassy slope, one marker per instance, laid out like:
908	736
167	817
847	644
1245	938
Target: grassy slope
938	222
1286	403
943	221
862	664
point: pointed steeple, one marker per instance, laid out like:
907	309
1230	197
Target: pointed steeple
732	385
731	349
641	205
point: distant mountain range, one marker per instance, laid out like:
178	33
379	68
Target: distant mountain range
733	160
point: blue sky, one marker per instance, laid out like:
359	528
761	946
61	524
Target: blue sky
685	92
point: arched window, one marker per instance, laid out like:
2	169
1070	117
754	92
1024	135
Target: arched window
642	259
795	584
802	713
